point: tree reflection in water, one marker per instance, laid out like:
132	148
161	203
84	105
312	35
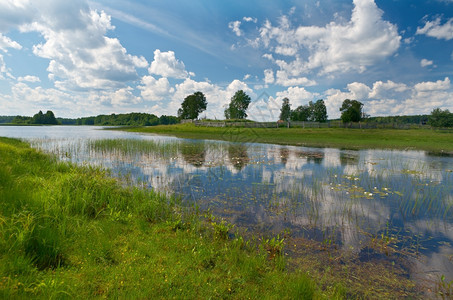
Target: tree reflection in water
237	153
194	153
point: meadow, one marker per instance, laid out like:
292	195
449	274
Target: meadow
437	141
74	232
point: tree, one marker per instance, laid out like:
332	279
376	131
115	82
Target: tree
319	111
47	119
301	113
351	111
238	106
192	106
441	118
38	118
315	112
285	112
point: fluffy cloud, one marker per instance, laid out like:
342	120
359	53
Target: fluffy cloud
121	97
29	78
165	64
153	89
28	100
425	63
282	79
390	98
235	27
32	99
388	90
4	70
81	56
338	47
439	85
6	42
250	19
269	76
14	13
297	95
434	29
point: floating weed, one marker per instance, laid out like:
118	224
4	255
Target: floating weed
273	246
444	288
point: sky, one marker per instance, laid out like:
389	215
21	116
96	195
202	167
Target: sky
82	58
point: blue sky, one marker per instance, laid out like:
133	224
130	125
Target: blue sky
81	58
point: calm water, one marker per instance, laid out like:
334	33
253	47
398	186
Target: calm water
368	202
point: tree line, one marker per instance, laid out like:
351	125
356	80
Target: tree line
39	119
130	119
351	111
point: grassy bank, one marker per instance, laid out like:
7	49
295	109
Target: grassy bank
68	231
414	139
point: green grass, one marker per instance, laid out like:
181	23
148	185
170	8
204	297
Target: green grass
412	139
74	232
130	146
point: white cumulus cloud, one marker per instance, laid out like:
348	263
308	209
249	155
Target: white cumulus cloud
153	89
436	30
81	56
297	96
6	42
390	98
250	19
269	76
433	86
363	41
165	64
425	62
29	78
235	26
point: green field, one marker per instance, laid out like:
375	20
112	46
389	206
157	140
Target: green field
412	139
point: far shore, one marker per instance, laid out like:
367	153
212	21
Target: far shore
436	141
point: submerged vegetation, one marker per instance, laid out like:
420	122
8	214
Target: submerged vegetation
415	139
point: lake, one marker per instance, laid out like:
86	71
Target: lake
372	204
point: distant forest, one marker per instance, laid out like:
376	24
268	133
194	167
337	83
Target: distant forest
417	119
131	119
144	119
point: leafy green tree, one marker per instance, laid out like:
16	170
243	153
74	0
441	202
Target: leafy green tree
441	118
38	118
22	120
301	113
285	112
167	120
351	111
319	111
47	119
315	112
192	106
238	106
